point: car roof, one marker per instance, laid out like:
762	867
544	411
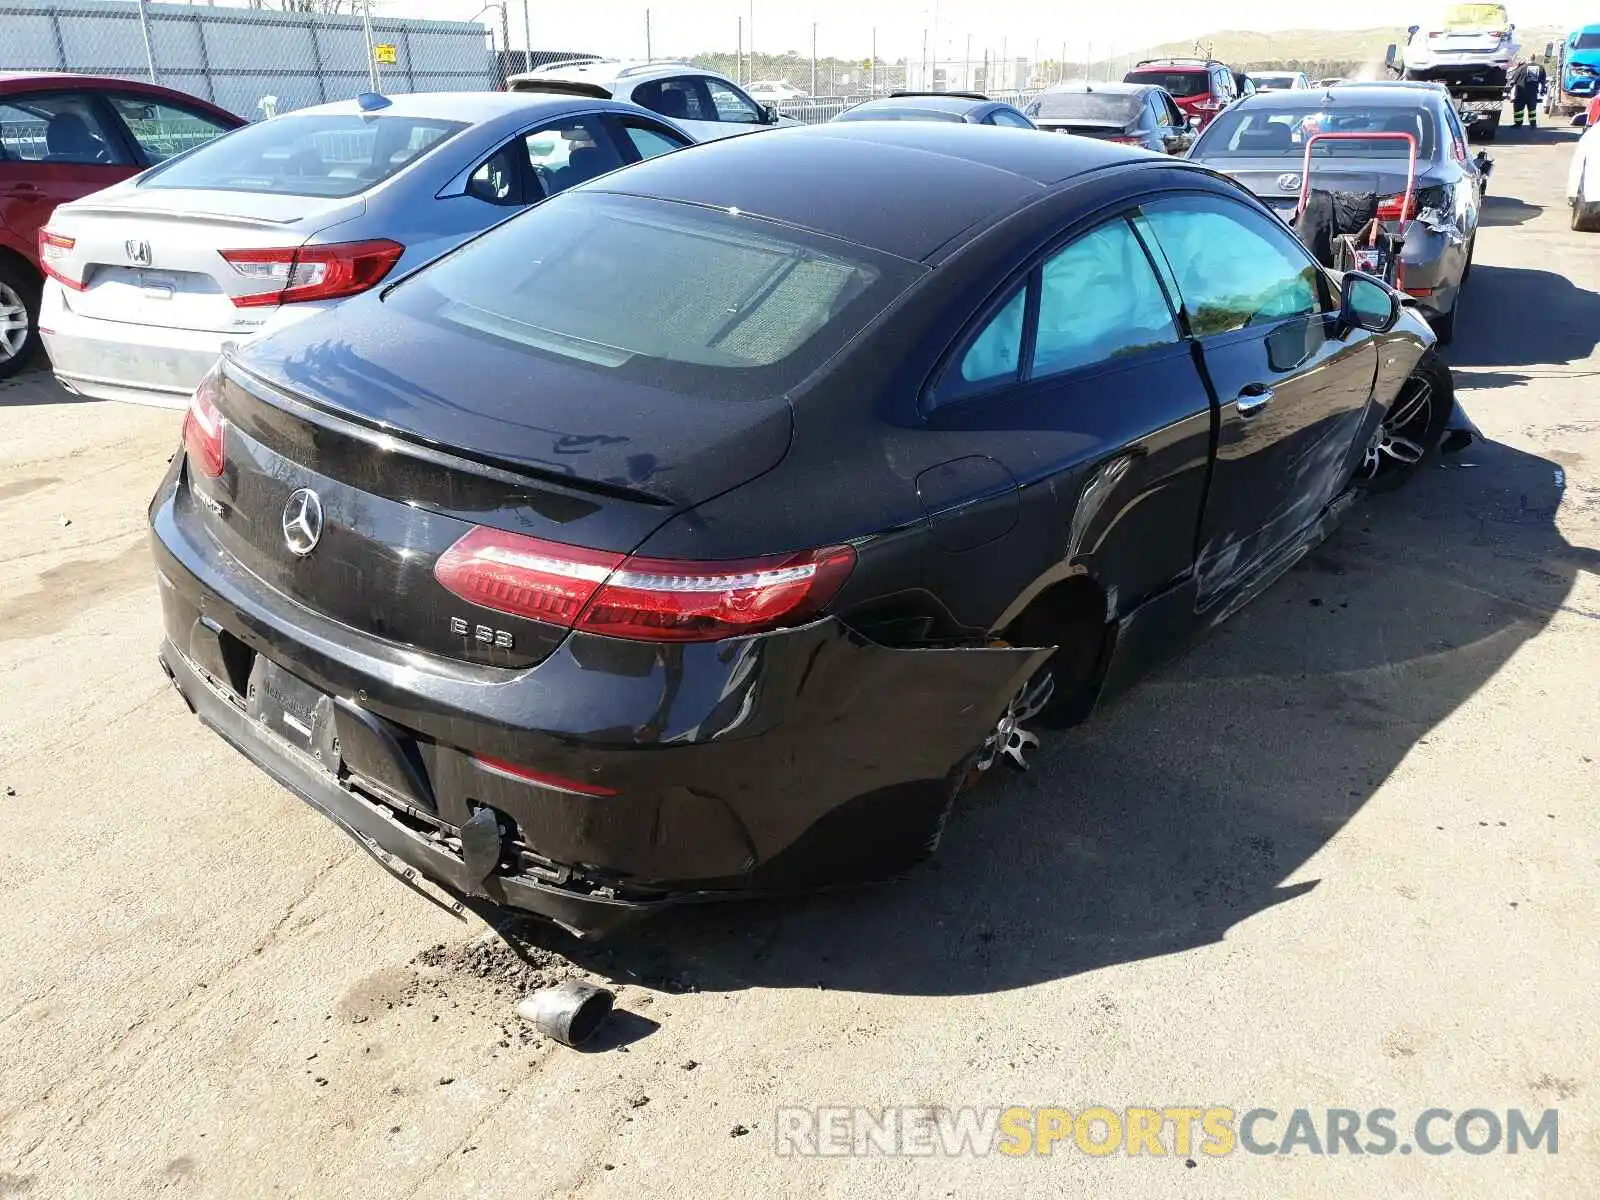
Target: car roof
612	70
1178	64
852	180
16	81
472	107
925	101
1312	99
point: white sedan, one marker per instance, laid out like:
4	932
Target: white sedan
1583	182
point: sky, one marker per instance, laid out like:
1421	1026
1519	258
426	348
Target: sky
844	27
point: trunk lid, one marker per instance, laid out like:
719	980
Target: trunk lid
153	256
1277	180
408	452
1081	127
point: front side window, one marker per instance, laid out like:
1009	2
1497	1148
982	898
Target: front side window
163	130
319	154
730	105
1234	266
55	127
679	98
570	152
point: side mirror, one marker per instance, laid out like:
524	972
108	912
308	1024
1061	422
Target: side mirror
769	114
1392	53
1365	302
1193	123
1411	30
1549	49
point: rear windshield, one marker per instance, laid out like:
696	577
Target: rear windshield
698	301
1087	106
1270	81
897	113
1262	131
1180	83
313	155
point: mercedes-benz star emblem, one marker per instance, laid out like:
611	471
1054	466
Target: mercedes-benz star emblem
302	521
138	251
1289	182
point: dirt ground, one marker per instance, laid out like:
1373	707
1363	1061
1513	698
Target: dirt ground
1344	853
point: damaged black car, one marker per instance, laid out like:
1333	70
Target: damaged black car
703	531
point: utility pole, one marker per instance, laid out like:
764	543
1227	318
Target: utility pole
505	35
752	51
738	57
933	80
1088	60
966	66
149	54
923	84
527	37
872	74
649	55
1062	66
813	58
1033	63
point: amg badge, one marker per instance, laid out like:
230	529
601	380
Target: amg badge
480	633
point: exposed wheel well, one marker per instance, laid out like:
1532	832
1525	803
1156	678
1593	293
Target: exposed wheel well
1070	615
10	258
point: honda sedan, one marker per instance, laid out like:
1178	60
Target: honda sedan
705	530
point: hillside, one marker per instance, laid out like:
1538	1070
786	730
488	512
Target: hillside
1340	51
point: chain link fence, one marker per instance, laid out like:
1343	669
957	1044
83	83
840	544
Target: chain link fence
254	62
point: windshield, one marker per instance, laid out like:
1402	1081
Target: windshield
1182	84
1262	131
692	300
1587	41
316	155
1120	108
1475	16
1272	81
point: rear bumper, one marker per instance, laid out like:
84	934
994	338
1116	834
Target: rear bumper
145	364
769	763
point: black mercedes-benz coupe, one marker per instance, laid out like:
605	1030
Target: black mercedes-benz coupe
702	531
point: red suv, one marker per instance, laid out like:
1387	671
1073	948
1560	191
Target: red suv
1202	87
62	137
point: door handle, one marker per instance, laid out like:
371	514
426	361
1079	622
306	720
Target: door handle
24	189
1253	399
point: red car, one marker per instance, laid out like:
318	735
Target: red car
62	137
1202	87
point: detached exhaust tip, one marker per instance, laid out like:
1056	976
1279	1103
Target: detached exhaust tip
571	1012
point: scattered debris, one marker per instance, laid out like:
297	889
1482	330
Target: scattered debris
690	1065
11	791
448	1079
738	1131
638	1101
65	521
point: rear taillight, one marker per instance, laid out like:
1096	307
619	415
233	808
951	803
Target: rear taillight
55	259
1397	208
646	599
205	429
1127	141
313	272
544	779
1209	104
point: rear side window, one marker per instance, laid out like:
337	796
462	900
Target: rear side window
163	130
995	355
1099	300
681	99
315	155
702	302
1185	84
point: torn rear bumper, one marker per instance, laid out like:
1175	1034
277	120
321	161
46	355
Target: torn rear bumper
768	763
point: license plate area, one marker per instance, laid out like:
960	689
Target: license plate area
294	711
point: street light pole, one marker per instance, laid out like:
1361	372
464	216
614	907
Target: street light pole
649	56
527	37
149	54
813	58
366	26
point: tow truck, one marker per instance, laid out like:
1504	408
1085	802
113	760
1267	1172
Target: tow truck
1572	69
1478	103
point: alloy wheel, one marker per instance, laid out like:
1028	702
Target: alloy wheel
1009	740
13	323
1401	436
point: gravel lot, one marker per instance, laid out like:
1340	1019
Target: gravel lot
1344	853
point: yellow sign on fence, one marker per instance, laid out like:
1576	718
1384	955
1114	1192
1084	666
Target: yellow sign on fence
384	54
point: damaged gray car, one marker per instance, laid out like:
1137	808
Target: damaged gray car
705	530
